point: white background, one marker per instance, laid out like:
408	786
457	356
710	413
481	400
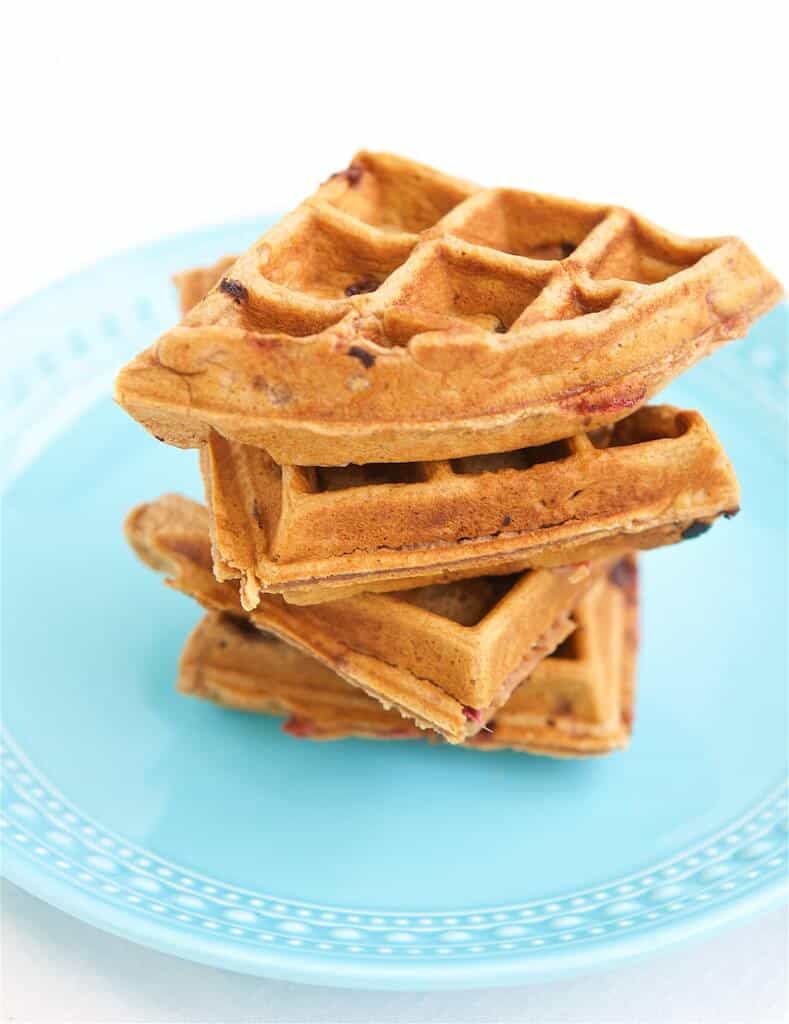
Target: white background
131	121
125	122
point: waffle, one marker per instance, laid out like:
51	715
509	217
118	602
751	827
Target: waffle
399	314
193	284
445	655
577	702
653	478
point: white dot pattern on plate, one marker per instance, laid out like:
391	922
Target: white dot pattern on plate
715	872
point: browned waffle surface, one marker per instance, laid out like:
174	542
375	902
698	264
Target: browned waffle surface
313	534
577	702
447	656
194	284
401	314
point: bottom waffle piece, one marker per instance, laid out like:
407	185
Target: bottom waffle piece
577	703
446	656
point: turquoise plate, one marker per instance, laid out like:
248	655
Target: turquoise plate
212	835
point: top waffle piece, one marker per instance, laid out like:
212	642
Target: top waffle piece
401	314
447	656
577	702
313	534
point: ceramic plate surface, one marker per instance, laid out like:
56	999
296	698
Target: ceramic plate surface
214	836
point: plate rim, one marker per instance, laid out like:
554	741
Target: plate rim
396	975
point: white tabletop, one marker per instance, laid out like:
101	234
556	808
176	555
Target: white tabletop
57	969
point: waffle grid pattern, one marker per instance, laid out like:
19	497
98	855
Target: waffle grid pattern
444	255
579	312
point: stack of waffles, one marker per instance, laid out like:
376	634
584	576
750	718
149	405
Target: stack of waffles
428	459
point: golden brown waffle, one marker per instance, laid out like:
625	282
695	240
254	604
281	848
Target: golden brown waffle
447	656
399	314
316	534
193	284
577	702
